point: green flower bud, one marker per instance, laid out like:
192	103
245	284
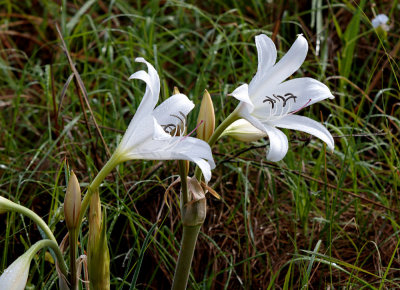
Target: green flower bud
72	202
206	114
98	253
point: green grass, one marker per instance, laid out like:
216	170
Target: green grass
317	219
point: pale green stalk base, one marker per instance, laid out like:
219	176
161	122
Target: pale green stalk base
186	252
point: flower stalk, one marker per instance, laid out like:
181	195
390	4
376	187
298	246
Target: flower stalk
193	215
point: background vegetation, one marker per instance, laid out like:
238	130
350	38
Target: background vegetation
317	219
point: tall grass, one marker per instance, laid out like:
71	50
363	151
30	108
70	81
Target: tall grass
317	219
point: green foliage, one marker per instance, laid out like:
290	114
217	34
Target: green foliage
316	219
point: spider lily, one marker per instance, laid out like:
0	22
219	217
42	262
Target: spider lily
157	133
269	101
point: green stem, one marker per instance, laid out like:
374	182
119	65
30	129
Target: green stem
73	240
33	216
110	165
183	175
186	252
54	246
217	134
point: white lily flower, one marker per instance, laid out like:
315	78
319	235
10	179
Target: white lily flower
380	20
153	133
269	102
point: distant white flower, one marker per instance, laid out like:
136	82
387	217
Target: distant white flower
381	20
154	133
269	101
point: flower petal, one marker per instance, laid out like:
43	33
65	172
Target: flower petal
307	125
278	144
176	148
173	111
243	130
142	123
288	64
242	94
291	96
266	52
16	275
152	81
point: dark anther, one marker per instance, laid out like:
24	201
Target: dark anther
168	128
179	118
279	97
268	99
289	96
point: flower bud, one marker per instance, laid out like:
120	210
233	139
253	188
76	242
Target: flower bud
98	253
206	114
242	130
176	91
72	202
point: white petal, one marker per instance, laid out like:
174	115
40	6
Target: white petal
288	64
173	110
278	144
140	129
266	52
242	94
142	123
245	114
155	80
305	92
243	130
307	125
16	275
176	148
152	81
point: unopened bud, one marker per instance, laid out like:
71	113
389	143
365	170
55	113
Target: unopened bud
72	202
206	118
242	130
98	253
176	91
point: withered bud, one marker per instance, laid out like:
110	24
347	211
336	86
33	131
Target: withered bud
194	211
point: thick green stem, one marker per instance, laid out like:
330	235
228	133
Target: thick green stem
217	133
186	252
